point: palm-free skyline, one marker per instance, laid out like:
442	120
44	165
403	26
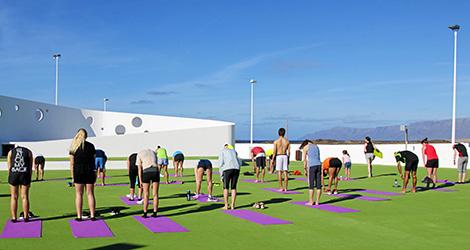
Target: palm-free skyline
317	64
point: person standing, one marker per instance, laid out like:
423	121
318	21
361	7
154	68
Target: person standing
461	151
431	161
39	163
369	153
258	158
20	166
178	160
133	171
162	160
411	166
82	168
347	164
100	162
281	152
312	167
229	166
149	175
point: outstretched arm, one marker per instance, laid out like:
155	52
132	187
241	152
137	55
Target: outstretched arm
399	170
455	155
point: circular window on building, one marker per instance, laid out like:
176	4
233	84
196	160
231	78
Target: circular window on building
120	130
89	120
17	107
39	115
137	122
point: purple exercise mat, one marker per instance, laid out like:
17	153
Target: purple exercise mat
361	197
203	198
161	224
327	207
255	217
301	179
369	191
441	189
113	185
253	181
20	229
90	229
275	190
132	203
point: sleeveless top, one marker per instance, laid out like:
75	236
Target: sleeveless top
369	148
132	162
313	154
430	152
21	161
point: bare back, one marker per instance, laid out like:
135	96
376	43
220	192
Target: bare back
281	146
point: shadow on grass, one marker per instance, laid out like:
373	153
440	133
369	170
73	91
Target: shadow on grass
118	246
268	202
444	185
206	208
4	195
150	209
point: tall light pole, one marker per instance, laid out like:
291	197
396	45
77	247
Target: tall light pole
105	101
404	128
252	82
56	58
455	29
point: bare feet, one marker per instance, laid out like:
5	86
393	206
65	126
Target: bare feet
256	181
281	189
309	204
413	190
225	208
404	191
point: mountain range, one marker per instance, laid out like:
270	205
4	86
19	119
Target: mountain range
434	130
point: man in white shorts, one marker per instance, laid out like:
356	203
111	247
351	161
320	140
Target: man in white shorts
281	152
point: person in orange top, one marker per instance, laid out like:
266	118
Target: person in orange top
331	166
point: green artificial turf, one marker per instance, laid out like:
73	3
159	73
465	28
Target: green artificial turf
425	220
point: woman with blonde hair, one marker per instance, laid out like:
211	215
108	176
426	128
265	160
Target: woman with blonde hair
82	168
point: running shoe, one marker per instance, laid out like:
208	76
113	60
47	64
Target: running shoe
195	197
212	199
140	202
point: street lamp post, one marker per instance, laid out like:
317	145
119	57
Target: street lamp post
404	128
56	58
105	101
252	81
455	29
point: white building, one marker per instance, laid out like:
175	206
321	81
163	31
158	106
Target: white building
47	129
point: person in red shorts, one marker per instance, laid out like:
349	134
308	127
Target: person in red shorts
431	161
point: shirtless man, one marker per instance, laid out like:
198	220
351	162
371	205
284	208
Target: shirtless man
281	152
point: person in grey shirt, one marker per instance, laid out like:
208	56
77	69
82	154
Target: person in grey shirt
229	168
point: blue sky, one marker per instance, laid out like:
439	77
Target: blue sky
319	64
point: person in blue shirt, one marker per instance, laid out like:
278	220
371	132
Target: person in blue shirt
178	160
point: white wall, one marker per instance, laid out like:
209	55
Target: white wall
444	151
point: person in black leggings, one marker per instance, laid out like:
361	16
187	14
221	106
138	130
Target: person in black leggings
133	177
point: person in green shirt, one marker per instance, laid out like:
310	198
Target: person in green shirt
162	161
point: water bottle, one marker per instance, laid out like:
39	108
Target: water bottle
188	195
395	183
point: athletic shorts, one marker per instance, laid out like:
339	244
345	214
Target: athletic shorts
462	164
150	175
314	177
347	165
432	163
370	156
133	178
162	161
178	157
40	160
100	163
16	179
261	162
411	166
335	163
205	164
282	163
84	178
231	178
